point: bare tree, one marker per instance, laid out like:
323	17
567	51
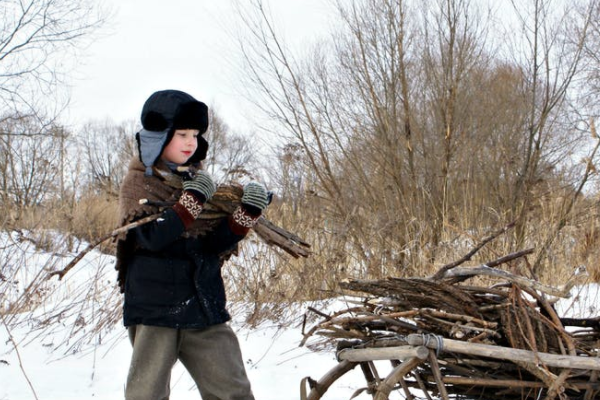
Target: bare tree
549	51
354	111
29	160
37	40
406	144
231	156
39	44
108	147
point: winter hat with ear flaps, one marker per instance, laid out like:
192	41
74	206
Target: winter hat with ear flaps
163	113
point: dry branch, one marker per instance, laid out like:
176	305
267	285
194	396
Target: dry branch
484	270
471	253
395	353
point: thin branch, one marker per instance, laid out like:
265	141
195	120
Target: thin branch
12	340
471	253
92	245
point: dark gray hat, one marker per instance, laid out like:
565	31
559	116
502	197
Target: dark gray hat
163	113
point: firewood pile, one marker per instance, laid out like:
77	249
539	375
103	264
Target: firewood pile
468	314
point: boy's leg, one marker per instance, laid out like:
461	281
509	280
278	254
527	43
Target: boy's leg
213	358
154	354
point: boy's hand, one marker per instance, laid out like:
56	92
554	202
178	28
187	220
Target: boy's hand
255	198
196	192
201	186
254	201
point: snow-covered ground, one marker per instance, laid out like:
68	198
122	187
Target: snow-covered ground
274	363
55	366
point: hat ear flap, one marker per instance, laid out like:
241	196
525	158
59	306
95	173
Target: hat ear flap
150	146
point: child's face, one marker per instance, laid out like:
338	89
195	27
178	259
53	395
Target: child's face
182	146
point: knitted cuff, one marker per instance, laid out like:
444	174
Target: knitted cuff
188	208
241	221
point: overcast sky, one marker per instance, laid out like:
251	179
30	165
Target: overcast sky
180	44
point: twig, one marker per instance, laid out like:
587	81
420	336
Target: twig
458	317
490	332
470	254
90	246
493	263
589	393
437	374
322	314
563	291
509	257
12	340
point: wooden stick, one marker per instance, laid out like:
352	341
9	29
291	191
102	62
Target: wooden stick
383	353
407	394
323	384
563	291
513	383
385	387
590	392
459	317
437	374
508	353
420	384
92	245
489	332
558	386
558	383
582	322
365	318
265	229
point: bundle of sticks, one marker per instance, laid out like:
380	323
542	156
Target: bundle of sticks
505	334
228	197
224	202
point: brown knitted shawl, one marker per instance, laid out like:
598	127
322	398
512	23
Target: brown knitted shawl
157	188
161	190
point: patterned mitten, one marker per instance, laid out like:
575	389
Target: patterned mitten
201	186
254	201
196	192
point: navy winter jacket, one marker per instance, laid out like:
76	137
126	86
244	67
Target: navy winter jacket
175	281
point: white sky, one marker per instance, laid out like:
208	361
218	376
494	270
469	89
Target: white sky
179	44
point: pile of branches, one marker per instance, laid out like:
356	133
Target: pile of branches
514	314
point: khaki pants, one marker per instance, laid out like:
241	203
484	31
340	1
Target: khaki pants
212	356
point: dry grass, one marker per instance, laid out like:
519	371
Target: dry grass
94	217
268	284
275	277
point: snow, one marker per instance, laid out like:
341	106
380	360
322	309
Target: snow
274	362
57	364
60	362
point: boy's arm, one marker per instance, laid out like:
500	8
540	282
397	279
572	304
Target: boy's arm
161	232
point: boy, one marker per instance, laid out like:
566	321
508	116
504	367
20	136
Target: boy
170	269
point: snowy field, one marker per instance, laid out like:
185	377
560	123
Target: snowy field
54	364
274	362
51	366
